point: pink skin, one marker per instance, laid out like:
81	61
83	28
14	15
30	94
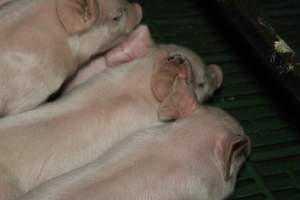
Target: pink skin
43	42
197	157
135	46
57	137
96	66
2	2
205	78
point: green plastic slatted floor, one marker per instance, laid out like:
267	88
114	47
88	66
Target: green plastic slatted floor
273	171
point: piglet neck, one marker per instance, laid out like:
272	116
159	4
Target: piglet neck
141	75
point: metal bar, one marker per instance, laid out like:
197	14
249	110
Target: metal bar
280	58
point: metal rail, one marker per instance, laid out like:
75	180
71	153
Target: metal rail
280	58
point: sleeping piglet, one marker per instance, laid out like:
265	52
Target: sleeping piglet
194	158
45	41
87	120
206	78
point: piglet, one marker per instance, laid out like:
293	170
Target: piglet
45	41
197	157
206	78
89	119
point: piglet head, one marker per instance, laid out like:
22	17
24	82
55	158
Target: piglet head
172	86
217	145
98	24
206	78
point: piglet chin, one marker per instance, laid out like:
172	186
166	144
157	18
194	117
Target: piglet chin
135	46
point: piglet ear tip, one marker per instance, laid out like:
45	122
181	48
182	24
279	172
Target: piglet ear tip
147	31
238	150
144	31
217	74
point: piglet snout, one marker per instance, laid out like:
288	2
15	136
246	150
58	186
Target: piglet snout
135	15
135	46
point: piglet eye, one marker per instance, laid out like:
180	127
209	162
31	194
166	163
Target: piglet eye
119	15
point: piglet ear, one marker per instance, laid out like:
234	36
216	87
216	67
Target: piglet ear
217	74
165	73
232	152
179	103
172	86
77	15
